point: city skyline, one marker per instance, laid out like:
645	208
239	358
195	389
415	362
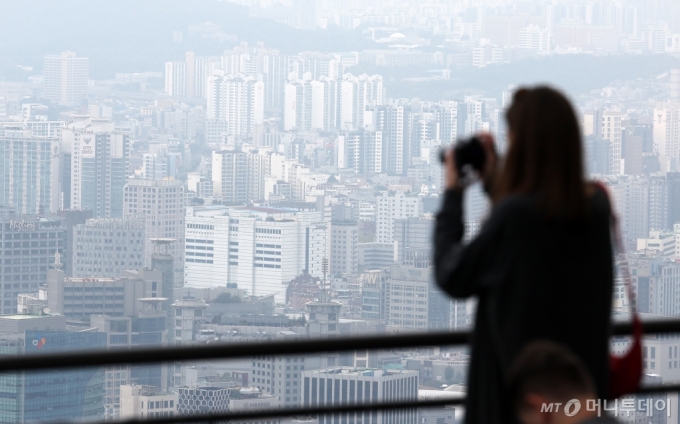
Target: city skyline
262	170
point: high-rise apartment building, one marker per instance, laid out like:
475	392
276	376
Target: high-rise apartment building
667	132
30	166
368	93
230	176
198	69
66	77
154	166
98	170
238	176
390	207
612	131
397	121
162	204
237	100
643	204
260	249
275	74
362	151
176	79
106	247
344	247
324	99
298	106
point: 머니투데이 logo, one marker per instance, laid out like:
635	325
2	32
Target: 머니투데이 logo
39	343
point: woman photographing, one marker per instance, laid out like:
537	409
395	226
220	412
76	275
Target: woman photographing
541	265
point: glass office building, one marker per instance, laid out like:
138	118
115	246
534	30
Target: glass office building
57	395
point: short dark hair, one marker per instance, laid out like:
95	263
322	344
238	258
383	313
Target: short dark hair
550	369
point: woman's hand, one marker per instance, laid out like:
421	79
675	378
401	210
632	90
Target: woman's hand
451	172
491	162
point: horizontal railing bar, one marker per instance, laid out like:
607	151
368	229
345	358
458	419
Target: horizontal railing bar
295	412
225	351
339	409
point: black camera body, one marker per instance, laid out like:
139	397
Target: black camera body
469	153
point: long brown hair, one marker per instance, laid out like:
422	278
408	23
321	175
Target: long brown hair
545	155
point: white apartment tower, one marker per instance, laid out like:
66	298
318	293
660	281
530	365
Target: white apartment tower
198	69
66	77
667	132
298	110
176	79
373	153
611	130
230	175
237	176
99	168
397	144
393	206
369	93
237	100
29	186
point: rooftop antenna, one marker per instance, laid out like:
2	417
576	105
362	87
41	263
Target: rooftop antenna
324	269
57	260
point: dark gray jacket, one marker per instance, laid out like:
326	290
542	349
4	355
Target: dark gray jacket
534	279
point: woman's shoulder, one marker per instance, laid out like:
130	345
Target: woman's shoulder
597	195
599	198
517	201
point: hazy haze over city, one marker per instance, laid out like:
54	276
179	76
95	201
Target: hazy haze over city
196	172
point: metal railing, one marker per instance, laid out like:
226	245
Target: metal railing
223	351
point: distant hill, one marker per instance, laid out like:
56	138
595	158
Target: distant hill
136	35
577	74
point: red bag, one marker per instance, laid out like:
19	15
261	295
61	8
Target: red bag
625	372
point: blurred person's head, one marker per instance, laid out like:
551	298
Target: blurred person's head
545	154
545	374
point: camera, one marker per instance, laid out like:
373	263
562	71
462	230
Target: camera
469	153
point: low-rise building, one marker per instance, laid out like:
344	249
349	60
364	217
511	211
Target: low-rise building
77	297
345	385
659	241
202	400
146	402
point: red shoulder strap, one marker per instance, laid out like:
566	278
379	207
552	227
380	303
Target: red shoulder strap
619	247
